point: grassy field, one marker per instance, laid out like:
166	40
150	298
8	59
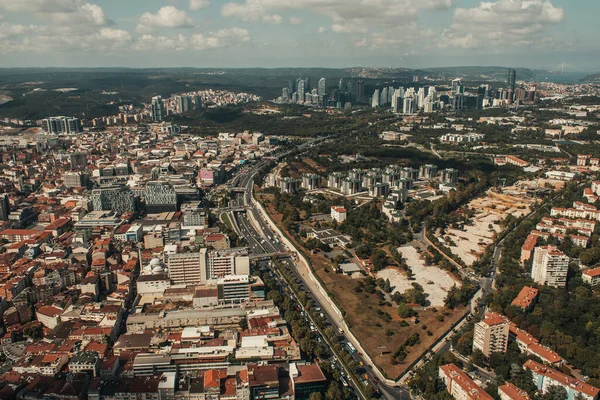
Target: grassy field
367	318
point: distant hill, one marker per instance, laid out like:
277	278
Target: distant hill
593	78
498	74
37	92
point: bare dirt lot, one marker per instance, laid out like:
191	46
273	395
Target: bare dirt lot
435	281
469	243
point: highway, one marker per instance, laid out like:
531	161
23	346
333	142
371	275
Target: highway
262	240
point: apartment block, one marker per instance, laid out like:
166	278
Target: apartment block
550	266
491	334
545	377
459	385
508	391
591	276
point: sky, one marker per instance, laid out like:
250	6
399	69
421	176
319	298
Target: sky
300	33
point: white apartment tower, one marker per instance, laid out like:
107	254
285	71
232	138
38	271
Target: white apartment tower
550	266
491	334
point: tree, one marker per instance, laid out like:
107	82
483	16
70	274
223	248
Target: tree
405	311
316	396
334	392
555	392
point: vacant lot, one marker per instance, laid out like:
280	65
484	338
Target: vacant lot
435	281
468	244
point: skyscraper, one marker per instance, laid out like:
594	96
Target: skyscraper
512	80
158	109
322	87
375	99
383	98
184	103
409	105
301	90
457	86
197	102
511	83
360	89
341	87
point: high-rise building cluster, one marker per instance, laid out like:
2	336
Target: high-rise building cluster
428	99
300	91
407	101
61	125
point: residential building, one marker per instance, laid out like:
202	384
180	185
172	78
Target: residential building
157	108
550	266
58	125
311	181
85	361
338	214
289	185
428	171
591	276
460	385
545	377
491	334
526	298
188	268
508	391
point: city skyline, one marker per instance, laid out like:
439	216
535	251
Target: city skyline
329	33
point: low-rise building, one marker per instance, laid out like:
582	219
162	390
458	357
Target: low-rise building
545	377
460	385
526	298
338	213
508	391
591	276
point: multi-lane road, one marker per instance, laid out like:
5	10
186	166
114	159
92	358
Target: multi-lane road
261	239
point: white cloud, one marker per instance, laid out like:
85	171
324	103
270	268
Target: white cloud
196	5
322	29
166	17
117	35
59	11
361	43
41	6
224	38
500	24
272	19
253	11
346	15
295	20
151	42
